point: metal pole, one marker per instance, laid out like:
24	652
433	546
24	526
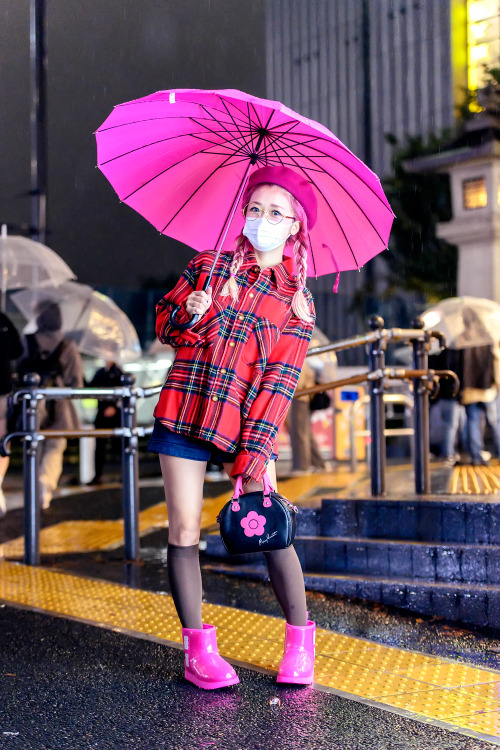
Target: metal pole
376	358
130	471
421	415
38	120
31	491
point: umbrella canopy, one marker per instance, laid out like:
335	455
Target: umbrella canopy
465	321
96	324
181	158
24	262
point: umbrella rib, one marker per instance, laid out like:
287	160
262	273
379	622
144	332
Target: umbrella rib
164	140
146	145
333	213
234	117
271	146
220	123
355	203
352	199
150	119
224	104
273	140
220	166
349	169
220	135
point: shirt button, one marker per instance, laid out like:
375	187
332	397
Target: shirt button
241	317
256	269
231	343
223	372
214	398
251	294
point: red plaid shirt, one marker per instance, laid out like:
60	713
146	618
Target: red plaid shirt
236	370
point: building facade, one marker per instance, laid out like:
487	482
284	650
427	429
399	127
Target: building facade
369	68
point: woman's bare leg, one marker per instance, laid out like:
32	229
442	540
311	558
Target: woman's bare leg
183	482
283	565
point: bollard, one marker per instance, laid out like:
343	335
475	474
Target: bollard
421	414
376	358
130	470
32	499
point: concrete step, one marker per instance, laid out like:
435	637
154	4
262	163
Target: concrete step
416	561
433	519
457	602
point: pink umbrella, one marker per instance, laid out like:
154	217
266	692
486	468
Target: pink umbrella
181	158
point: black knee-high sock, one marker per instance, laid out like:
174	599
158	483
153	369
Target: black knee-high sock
287	581
184	577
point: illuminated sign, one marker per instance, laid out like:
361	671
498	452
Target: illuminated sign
483	40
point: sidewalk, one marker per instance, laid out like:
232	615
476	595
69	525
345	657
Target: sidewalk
90	648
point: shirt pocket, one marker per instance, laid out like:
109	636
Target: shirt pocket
260	343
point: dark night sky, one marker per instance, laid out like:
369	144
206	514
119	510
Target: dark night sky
101	53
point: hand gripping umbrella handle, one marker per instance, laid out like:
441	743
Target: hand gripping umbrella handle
190	323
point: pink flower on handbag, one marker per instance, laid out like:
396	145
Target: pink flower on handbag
253	524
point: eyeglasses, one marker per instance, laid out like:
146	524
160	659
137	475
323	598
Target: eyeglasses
254	211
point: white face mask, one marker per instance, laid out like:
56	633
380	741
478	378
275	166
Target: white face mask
264	236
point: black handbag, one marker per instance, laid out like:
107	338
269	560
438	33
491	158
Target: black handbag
257	521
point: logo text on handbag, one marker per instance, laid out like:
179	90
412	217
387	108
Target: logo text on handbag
269	536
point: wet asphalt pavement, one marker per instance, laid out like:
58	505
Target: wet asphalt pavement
65	685
70	686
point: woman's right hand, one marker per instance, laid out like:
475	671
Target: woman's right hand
198	302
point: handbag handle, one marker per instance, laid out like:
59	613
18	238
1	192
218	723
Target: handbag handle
238	490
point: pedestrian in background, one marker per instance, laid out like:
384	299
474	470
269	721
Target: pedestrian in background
226	396
108	415
447	414
306	455
58	363
11	349
479	396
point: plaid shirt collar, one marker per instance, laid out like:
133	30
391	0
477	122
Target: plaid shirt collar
282	273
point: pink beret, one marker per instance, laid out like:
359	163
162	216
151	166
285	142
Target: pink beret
286	178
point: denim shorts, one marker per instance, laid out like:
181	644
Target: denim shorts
171	443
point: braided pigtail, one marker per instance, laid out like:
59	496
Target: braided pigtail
231	287
300	306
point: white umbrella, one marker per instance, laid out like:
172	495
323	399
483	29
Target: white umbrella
96	324
465	321
25	263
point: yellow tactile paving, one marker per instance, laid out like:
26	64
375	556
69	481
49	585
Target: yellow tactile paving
464	697
475	480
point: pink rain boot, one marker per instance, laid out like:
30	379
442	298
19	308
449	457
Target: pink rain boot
204	667
297	665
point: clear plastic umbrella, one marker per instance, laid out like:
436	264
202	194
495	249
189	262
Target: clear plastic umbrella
94	322
465	321
25	263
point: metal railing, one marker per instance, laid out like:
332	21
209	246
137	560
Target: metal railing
389	398
125	396
30	396
424	381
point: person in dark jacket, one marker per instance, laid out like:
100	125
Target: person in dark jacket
58	362
108	414
10	349
448	402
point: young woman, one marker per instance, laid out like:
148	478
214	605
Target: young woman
226	396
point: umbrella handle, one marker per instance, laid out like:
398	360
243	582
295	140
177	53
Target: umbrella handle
182	326
190	323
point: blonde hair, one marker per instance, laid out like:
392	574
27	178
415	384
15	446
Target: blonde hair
301	245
